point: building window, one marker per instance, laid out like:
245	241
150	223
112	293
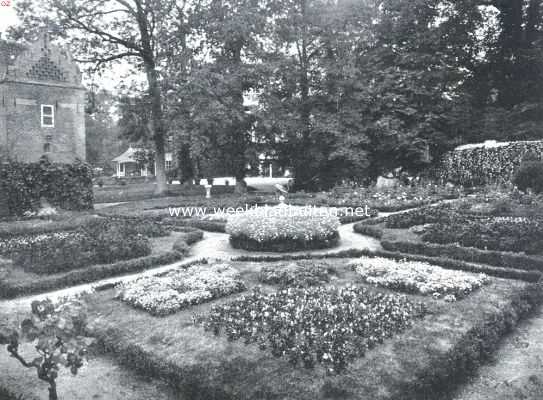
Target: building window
168	164
47	116
47	148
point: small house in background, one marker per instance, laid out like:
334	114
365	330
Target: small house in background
130	163
42	103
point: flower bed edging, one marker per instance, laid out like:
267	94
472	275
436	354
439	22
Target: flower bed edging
499	272
283	245
447	371
470	254
89	274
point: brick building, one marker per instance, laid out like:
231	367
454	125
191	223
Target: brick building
42	103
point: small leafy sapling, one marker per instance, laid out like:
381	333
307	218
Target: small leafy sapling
58	333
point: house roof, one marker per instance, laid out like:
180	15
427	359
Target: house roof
127	156
39	61
490	144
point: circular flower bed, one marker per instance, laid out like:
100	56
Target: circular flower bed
283	228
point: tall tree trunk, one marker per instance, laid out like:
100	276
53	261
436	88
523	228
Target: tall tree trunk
157	120
239	133
303	171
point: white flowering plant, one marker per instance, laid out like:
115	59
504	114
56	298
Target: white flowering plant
283	228
329	326
418	278
174	290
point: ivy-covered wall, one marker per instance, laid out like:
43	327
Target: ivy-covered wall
67	186
487	165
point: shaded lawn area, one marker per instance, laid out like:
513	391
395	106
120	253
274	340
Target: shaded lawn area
417	363
143	191
15	281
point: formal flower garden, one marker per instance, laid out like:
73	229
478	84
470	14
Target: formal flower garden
424	309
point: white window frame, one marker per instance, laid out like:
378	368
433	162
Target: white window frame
52	115
168	164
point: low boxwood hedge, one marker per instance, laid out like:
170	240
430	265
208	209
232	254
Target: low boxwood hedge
443	373
283	245
102	242
11	289
449	263
470	254
368	230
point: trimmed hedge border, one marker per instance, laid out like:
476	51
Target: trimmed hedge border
447	263
86	275
496	258
447	371
283	245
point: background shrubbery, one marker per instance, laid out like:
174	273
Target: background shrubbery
482	165
68	186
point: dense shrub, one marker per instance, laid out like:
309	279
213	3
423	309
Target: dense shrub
282	228
530	176
482	165
68	186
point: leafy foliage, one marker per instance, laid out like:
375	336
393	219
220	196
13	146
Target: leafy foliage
68	186
58	333
487	165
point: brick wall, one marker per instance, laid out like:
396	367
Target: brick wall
43	74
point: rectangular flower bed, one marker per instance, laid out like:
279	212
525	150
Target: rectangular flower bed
317	325
101	242
302	273
172	291
418	277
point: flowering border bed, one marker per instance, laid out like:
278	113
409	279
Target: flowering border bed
418	277
329	326
174	290
282	228
301	273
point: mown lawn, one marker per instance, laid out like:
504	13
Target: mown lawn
421	362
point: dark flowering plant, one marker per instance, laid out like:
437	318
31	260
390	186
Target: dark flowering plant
322	325
58	335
